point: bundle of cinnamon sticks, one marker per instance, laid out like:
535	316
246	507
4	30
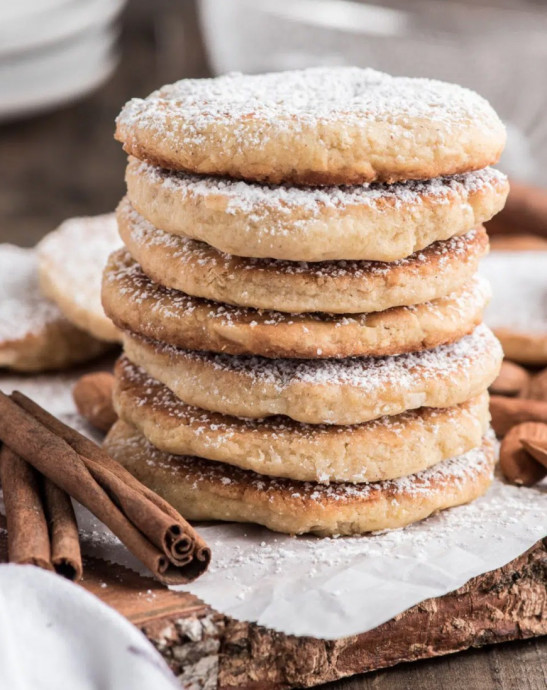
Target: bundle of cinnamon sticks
43	463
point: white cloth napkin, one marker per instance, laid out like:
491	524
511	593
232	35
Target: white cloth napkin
55	636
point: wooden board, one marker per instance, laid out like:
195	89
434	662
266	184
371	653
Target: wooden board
215	651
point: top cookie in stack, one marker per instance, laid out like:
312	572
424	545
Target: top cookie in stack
299	298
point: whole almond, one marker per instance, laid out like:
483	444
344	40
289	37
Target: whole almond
538	386
93	397
507	412
517	465
512	380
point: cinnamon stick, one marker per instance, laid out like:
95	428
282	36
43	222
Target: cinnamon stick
66	556
41	524
163	525
155	533
28	537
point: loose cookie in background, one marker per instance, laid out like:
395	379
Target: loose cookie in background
34	334
71	260
518	310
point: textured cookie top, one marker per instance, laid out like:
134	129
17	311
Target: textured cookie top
343	116
23	309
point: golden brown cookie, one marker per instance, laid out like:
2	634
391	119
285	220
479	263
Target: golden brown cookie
321	126
34	334
339	287
339	391
71	260
386	448
205	490
366	222
135	303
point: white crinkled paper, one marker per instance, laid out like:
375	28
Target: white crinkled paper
332	588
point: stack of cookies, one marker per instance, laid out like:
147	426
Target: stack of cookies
303	345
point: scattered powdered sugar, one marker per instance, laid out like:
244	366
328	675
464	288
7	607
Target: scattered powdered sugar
372	373
259	200
289	101
131	286
519	290
75	254
346	586
186	251
23	309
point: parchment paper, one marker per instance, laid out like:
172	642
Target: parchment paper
332	588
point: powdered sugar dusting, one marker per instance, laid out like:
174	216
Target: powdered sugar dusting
76	253
23	309
372	373
294	99
259	200
519	289
145	391
454	471
463	248
132	286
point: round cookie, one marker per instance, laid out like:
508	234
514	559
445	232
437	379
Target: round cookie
366	222
322	126
70	265
135	303
338	287
34	334
343	391
518	312
386	448
204	490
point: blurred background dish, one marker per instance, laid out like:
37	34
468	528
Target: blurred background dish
53	51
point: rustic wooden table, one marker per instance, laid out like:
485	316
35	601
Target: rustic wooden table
66	163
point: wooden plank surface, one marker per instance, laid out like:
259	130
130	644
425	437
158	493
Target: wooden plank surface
66	163
203	646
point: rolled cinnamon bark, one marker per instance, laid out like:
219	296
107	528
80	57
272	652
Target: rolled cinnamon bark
66	556
28	536
156	534
162	524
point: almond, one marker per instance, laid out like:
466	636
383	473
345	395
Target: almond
517	465
535	441
93	397
538	386
512	380
507	412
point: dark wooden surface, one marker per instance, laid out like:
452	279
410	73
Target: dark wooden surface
66	163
